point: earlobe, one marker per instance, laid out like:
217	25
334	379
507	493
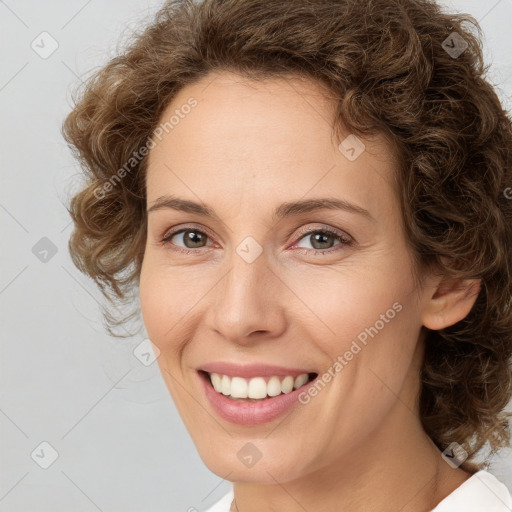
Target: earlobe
450	302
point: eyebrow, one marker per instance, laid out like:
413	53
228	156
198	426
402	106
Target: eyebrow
283	210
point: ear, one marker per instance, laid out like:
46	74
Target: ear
448	301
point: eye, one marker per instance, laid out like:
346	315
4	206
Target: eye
321	239
191	238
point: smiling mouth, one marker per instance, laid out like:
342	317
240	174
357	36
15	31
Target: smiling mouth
256	389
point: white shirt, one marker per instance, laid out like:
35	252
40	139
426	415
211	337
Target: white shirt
481	492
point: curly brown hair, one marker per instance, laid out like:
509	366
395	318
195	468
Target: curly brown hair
392	68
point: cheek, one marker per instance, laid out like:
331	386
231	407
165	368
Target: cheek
164	308
170	299
367	324
371	356
151	302
346	304
159	306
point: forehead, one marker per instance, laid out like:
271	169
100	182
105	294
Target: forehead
236	112
275	133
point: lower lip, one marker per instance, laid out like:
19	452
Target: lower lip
250	413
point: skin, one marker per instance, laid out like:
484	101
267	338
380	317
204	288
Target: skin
247	147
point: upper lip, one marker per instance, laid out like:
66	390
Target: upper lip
251	370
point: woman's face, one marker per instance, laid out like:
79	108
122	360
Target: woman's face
247	284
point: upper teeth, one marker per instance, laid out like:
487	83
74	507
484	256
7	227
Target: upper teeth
239	387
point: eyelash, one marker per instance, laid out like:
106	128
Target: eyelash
345	241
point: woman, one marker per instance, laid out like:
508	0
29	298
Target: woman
310	199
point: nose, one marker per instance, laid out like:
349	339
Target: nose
248	302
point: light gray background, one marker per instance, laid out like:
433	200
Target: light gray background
120	441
